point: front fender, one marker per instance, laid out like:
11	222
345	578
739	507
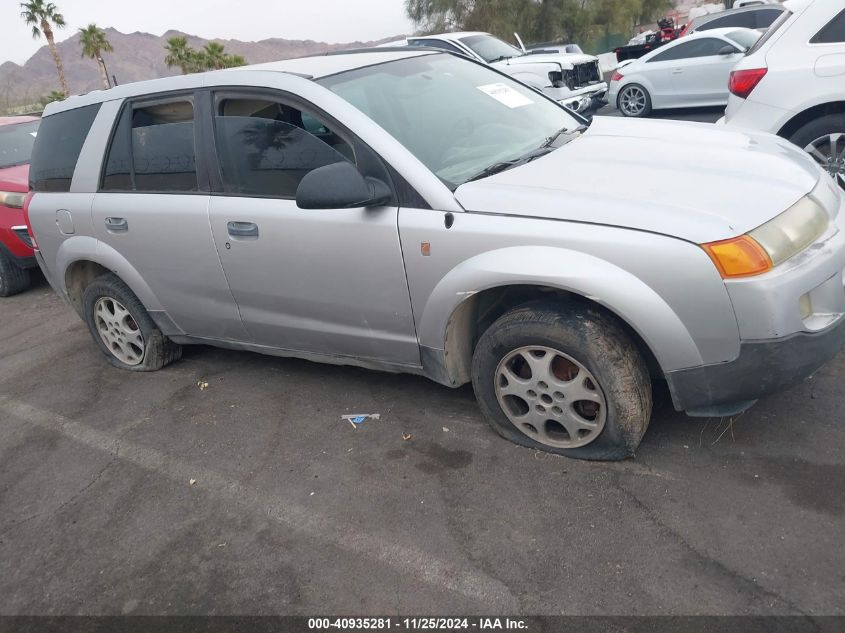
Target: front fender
85	248
598	280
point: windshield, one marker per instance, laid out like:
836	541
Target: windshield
16	143
770	32
490	48
457	117
744	37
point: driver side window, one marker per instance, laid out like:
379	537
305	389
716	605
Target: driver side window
266	147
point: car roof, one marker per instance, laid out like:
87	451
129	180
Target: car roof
312	67
704	19
456	35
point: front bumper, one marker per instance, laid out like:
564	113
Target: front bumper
763	367
583	100
791	322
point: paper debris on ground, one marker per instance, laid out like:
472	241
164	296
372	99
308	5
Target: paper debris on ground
202	384
359	418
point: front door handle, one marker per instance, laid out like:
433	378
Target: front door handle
242	229
117	224
678	71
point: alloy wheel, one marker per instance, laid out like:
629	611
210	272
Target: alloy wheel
550	397
632	101
829	152
119	331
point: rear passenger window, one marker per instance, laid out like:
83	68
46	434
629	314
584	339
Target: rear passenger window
766	17
152	150
57	148
833	33
265	147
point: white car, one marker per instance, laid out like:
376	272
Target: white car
574	80
688	73
792	83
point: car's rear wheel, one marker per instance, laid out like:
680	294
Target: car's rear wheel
566	381
13	278
122	328
634	101
824	140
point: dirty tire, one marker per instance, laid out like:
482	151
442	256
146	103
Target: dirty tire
13	278
831	124
158	349
593	339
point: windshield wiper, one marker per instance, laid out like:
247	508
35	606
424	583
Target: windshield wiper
546	148
549	142
495	168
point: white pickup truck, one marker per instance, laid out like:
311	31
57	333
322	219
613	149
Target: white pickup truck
572	79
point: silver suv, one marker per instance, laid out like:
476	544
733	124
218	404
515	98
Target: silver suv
414	211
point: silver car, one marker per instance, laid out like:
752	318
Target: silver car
413	211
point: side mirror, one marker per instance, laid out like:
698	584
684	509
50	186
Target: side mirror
340	186
727	49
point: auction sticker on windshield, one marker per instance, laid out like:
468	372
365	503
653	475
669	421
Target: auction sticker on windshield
506	95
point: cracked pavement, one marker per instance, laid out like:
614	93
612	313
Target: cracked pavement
294	511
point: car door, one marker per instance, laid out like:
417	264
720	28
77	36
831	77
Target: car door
326	281
700	78
657	72
152	208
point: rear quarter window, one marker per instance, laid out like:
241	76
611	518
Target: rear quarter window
57	148
833	32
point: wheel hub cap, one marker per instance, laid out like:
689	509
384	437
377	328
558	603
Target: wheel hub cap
119	331
829	152
633	100
550	397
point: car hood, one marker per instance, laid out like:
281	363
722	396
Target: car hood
688	180
15	178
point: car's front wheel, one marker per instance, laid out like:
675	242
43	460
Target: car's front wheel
634	101
824	140
568	381
122	329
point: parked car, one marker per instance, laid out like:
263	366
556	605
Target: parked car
572	79
759	17
420	212
752	3
792	83
691	72
17	135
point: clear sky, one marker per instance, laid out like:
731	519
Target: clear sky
322	20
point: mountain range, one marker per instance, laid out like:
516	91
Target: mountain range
136	56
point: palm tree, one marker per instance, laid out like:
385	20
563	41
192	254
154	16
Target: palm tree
94	44
215	55
235	60
42	17
55	95
180	54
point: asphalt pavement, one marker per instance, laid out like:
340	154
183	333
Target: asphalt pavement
129	493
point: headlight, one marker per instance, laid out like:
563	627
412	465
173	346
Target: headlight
792	231
12	199
772	243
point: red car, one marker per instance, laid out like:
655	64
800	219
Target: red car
17	135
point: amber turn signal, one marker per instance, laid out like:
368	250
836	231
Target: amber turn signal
738	257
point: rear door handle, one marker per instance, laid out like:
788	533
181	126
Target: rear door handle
242	229
678	71
117	224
